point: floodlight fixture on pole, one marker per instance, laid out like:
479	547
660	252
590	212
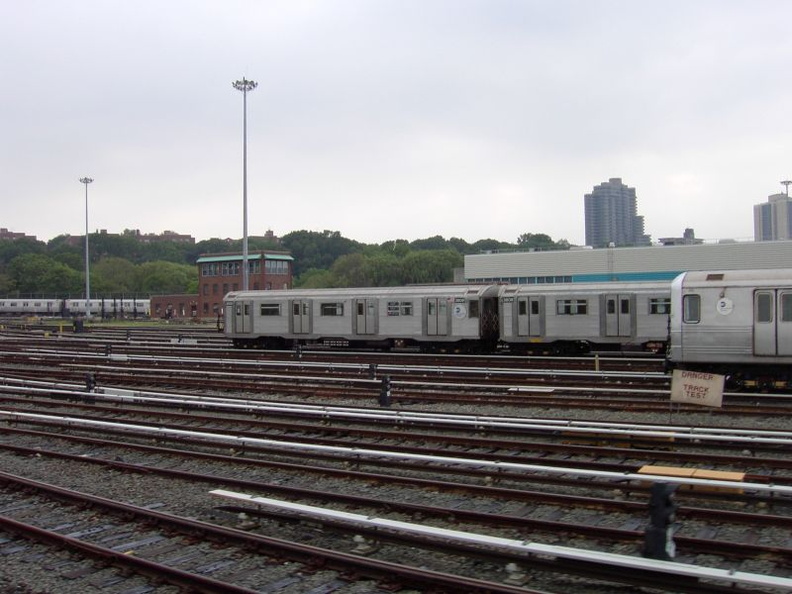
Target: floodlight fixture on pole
244	85
86	181
786	183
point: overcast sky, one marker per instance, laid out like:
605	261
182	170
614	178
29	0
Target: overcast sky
392	119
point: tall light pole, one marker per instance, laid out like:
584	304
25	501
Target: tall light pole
244	85
86	181
786	183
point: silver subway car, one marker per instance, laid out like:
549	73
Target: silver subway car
447	317
577	318
734	322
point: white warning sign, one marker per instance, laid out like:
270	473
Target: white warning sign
694	387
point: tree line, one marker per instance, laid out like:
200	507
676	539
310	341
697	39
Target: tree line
125	265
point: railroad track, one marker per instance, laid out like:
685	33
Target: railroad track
532	494
408	385
700	520
188	553
204	344
129	460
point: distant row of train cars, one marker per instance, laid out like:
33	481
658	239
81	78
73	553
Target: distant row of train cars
738	322
128	308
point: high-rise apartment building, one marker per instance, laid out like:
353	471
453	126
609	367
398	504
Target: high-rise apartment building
773	219
611	216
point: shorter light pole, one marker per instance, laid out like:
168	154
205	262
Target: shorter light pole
86	181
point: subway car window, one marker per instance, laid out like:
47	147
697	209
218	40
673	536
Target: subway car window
691	309
786	307
764	308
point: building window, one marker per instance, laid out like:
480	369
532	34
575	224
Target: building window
270	309
660	305
331	309
691	309
276	267
215	288
206	289
571	307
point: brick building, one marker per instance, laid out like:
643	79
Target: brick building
219	274
167	307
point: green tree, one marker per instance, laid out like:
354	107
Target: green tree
396	247
460	245
535	241
166	251
10	249
311	249
315	278
430	243
164	277
37	274
490	245
350	271
5	284
435	266
101	245
209	246
383	270
114	275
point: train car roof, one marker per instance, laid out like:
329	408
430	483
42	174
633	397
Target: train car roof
704	278
603	287
384	292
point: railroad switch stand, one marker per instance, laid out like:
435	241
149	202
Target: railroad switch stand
385	391
659	535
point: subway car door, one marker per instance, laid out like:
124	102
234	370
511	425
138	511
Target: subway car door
301	316
243	318
785	322
772	326
365	316
618	315
436	316
528	316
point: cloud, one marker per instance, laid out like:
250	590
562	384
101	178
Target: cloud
392	118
